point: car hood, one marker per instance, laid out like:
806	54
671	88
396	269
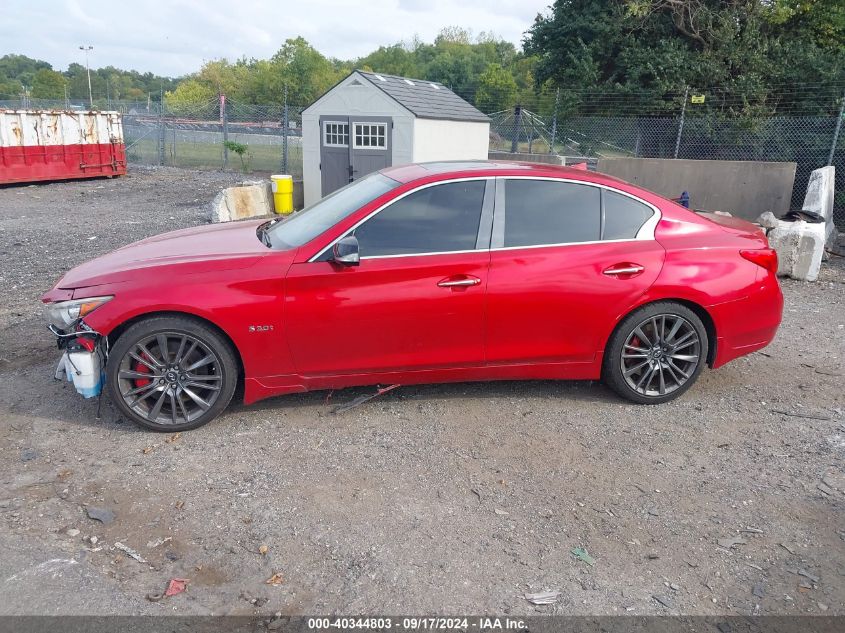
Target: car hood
201	249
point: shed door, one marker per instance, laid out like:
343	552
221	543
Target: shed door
334	153
352	147
371	145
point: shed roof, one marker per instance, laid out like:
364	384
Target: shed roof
425	99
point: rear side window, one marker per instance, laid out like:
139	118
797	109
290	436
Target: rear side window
539	212
438	219
623	216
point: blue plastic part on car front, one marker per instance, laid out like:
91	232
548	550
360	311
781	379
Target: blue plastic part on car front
81	369
92	392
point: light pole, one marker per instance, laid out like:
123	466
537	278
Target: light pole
88	68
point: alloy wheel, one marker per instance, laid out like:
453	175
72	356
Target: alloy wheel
170	378
660	355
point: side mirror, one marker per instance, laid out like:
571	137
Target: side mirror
345	251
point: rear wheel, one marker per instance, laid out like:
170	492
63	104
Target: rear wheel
656	353
171	373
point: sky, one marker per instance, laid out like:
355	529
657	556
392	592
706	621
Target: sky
174	37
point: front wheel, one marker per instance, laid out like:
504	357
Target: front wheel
171	373
656	353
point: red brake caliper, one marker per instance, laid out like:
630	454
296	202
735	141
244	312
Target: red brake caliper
141	368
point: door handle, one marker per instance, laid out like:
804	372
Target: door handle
457	283
626	269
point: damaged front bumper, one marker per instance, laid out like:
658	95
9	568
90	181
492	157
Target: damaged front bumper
83	361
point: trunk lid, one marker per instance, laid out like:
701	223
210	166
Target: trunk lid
737	226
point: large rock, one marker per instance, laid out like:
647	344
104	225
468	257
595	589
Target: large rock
800	247
819	199
244	200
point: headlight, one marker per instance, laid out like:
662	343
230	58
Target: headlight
64	314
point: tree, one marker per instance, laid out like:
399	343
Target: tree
306	73
392	60
10	88
638	52
187	94
21	68
496	89
48	84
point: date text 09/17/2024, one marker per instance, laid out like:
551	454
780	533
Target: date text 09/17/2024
418	623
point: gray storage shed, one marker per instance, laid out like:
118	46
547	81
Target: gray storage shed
370	121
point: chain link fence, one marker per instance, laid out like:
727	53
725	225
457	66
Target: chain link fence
214	134
217	135
809	141
268	138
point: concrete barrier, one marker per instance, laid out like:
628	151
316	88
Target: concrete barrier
549	159
250	199
800	246
244	200
819	199
743	188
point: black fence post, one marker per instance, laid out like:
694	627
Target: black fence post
517	116
224	119
681	122
161	139
554	122
836	131
285	128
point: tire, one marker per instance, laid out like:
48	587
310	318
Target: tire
655	369
183	389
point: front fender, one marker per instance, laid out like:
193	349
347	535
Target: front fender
247	306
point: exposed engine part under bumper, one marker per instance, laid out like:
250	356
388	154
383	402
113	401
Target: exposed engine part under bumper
84	370
83	361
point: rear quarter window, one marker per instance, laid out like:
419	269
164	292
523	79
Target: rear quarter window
623	216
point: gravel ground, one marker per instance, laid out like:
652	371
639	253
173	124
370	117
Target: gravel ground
432	499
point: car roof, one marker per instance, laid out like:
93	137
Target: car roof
480	168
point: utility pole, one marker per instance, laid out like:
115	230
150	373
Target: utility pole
681	122
554	122
88	68
836	131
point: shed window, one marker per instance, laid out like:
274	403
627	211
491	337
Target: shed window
335	134
370	136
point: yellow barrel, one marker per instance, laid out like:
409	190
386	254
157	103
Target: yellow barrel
282	193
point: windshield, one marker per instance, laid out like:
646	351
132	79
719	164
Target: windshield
303	226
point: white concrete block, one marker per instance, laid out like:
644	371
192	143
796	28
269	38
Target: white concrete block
245	200
767	220
819	199
800	246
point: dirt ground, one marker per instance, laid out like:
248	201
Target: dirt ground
428	500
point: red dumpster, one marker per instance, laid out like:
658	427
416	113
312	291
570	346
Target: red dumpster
60	144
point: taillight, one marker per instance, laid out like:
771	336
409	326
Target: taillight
764	257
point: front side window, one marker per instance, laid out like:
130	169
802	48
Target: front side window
623	216
303	226
436	219
543	212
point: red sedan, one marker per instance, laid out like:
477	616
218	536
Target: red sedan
426	273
